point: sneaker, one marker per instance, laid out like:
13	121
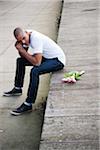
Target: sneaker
21	110
13	92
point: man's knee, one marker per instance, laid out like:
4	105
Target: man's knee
34	71
19	60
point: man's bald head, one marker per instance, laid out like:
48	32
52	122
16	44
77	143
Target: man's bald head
18	31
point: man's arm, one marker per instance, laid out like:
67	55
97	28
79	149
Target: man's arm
35	59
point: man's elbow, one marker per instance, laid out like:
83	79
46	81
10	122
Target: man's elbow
38	64
37	59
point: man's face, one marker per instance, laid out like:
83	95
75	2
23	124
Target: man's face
23	39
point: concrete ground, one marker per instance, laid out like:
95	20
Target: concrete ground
23	132
72	118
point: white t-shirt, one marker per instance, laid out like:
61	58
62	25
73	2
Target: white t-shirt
43	44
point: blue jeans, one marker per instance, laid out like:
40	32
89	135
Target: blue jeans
47	66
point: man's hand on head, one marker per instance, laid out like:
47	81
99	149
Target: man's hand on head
18	46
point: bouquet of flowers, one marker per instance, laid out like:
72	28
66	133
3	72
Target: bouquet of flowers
72	76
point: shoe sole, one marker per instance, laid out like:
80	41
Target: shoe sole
17	114
8	95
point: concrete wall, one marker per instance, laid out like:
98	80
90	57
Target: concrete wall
72	113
